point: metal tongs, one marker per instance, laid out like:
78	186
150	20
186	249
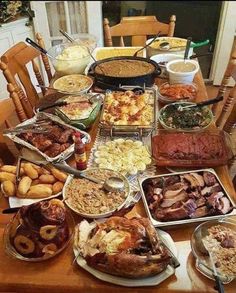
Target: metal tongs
39	126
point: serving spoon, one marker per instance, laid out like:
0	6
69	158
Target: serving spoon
219	285
165	46
201	104
92	99
189	40
147	45
111	184
39	48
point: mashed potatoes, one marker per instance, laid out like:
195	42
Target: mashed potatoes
72	60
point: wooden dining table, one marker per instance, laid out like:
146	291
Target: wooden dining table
61	274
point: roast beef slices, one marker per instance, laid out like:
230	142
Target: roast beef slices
188	146
190	195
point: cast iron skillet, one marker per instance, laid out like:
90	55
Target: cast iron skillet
147	79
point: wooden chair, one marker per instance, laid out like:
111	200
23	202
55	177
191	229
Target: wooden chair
229	99
138	27
14	65
8	118
45	60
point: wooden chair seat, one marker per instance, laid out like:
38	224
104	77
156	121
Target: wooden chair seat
137	27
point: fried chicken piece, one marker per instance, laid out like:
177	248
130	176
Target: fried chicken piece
66	135
53	150
54	133
28	136
64	146
41	142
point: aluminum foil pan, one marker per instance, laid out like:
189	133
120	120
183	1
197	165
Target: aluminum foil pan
62	156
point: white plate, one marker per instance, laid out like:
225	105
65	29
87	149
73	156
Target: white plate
151	281
19	202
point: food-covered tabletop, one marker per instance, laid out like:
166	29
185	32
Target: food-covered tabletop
132	220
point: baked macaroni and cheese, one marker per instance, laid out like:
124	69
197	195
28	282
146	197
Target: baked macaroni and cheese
128	108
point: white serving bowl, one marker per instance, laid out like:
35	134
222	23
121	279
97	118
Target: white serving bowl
180	76
164	58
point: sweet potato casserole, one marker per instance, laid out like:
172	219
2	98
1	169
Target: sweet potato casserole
87	197
128	108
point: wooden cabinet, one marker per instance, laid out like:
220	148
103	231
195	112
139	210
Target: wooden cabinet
10	34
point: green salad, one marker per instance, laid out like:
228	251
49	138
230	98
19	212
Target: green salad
190	118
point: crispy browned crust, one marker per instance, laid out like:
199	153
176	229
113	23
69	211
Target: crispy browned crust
129	265
126	263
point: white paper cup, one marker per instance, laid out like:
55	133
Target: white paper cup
182	77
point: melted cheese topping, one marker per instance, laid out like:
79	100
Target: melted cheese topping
128	109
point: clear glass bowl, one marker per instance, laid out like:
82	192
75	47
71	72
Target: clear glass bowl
65	60
184	115
16	223
167	100
87	40
203	262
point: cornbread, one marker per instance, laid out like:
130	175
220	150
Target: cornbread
103	53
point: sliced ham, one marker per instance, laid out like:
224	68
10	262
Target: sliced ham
200	212
209	178
200	202
157	190
225	206
210	189
199	179
190	205
191	179
167	202
171	194
213	200
170	214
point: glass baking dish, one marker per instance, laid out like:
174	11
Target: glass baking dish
111	128
155	210
206	148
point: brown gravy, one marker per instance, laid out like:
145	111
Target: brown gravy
124	68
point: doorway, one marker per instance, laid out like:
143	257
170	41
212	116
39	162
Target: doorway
198	19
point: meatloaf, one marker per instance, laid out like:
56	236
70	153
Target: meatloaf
189	146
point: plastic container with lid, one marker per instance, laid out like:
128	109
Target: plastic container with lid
184	74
